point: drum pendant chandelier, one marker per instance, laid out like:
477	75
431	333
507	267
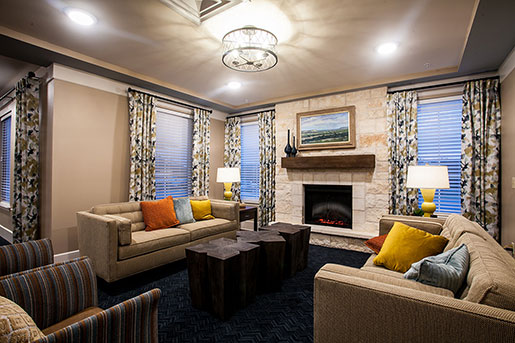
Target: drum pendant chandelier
249	49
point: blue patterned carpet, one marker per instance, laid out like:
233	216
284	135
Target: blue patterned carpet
285	316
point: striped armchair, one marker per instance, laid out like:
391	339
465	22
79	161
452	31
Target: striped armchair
27	255
62	300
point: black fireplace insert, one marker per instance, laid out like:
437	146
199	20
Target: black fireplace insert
328	205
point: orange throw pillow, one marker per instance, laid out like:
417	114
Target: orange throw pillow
159	214
376	243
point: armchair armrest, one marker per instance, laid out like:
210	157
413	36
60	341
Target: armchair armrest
229	210
27	255
53	293
350	308
98	239
131	321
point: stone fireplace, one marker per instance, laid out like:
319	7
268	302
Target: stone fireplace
369	186
329	205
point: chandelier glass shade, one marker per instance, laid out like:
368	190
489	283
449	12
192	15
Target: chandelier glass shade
249	49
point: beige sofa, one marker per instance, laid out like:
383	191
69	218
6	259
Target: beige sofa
114	237
374	304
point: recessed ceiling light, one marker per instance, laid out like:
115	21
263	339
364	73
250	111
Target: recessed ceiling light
80	17
234	85
387	48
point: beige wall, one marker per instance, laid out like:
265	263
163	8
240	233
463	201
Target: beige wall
216	157
508	158
86	163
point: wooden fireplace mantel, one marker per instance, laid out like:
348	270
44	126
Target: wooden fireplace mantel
330	162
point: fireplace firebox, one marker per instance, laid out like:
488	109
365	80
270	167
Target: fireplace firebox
328	205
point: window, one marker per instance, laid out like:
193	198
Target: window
5	159
174	143
250	162
439	143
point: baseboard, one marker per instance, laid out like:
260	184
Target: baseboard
65	256
6	234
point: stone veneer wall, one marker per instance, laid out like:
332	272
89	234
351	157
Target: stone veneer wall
369	187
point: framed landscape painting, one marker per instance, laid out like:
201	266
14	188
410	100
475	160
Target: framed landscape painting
327	129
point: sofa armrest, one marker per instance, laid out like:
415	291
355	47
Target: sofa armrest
124	229
229	210
134	320
98	239
53	293
350	308
432	225
27	255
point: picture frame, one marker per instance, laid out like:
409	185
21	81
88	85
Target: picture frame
332	128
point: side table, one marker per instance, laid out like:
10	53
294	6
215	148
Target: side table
247	213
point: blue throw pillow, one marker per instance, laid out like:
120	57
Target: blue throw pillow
183	210
446	270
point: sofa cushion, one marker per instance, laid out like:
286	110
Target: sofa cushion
491	276
457	225
183	210
431	225
405	245
208	227
391	280
371	267
15	324
124	229
144	242
159	214
201	209
130	210
446	270
375	244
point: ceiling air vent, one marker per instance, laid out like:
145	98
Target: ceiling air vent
199	10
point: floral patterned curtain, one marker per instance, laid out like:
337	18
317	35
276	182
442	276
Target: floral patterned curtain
232	150
200	164
25	205
142	130
402	150
480	149
266	124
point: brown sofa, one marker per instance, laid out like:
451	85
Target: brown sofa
375	304
114	237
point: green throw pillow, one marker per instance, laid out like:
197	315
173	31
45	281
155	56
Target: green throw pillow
183	210
446	270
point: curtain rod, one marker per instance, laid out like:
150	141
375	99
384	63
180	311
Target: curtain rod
248	114
171	101
442	85
29	74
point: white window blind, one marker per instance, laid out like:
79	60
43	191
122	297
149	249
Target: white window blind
173	154
249	162
5	182
439	143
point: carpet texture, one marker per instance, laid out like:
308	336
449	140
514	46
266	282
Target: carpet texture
285	316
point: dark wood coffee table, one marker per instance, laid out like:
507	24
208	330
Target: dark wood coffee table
297	245
222	275
271	257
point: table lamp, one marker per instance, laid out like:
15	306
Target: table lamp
228	176
428	178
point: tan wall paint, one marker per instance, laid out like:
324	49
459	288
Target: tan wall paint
89	157
216	157
508	158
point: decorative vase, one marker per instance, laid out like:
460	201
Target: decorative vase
287	148
294	149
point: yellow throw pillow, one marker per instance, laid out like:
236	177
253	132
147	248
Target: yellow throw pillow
201	209
15	324
405	245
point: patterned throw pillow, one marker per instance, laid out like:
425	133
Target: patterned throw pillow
15	324
405	245
447	270
183	210
159	214
376	243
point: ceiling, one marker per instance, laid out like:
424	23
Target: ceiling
324	46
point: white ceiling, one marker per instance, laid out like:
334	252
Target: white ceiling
324	45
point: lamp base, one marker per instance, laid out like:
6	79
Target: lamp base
428	206
227	193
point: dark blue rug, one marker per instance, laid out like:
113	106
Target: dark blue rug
285	316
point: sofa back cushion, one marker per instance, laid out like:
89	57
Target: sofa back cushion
431	225
130	210
456	225
491	276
